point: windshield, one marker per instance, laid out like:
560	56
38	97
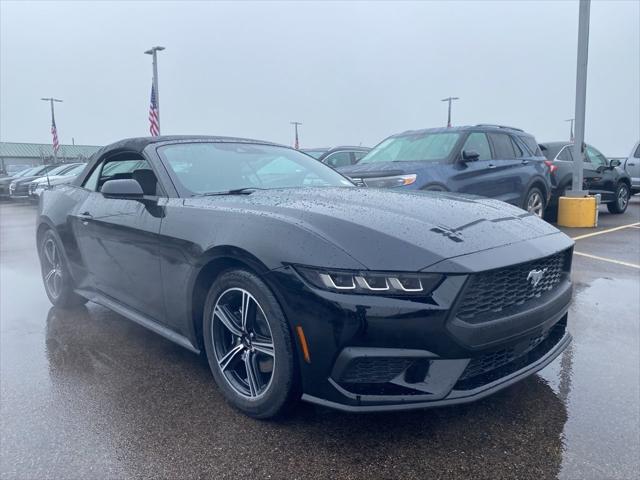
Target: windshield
315	153
59	169
428	147
75	170
218	167
28	172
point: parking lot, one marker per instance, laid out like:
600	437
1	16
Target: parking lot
89	394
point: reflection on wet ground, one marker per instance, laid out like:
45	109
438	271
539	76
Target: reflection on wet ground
88	394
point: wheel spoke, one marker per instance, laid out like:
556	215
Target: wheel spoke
49	253
263	347
227	320
252	377
246	301
230	357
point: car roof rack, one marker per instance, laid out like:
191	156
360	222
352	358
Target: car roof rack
498	126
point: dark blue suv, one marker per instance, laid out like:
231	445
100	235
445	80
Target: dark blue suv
488	160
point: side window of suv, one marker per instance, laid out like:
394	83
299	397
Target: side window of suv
478	142
338	159
596	158
502	146
565	154
358	155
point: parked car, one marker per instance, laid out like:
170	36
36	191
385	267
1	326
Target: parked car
5	182
632	167
337	156
488	160
19	188
601	176
296	284
59	177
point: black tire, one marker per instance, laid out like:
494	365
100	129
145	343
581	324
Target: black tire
535	202
58	284
621	200
281	390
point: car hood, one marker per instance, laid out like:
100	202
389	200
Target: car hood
7	180
391	230
364	170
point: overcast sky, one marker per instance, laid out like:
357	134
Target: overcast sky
352	72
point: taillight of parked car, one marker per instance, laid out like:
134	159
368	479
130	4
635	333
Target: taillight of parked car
552	167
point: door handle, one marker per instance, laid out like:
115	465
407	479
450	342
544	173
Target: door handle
525	162
85	217
491	165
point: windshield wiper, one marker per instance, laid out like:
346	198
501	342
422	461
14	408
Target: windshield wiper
234	191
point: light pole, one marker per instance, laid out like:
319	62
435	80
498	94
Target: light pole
449	99
571	138
54	129
153	51
296	143
581	98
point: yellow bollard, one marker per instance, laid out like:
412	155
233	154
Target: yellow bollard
578	212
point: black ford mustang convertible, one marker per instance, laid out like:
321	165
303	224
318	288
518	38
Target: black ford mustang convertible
297	284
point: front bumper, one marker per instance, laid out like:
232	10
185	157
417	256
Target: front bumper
370	353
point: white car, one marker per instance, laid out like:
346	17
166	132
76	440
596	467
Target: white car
61	175
632	166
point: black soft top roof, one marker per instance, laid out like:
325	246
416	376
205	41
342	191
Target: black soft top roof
138	144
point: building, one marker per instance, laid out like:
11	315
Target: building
14	155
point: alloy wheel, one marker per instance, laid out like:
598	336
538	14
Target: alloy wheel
52	268
243	343
623	197
535	204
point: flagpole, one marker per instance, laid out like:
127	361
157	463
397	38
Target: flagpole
53	121
153	51
296	144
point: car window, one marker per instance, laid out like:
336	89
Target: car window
338	159
477	141
426	147
502	146
119	167
565	154
520	151
200	168
358	155
596	158
637	154
531	143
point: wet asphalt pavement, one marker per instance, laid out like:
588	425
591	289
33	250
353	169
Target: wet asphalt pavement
88	394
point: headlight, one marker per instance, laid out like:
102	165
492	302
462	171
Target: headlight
370	283
12	187
390	182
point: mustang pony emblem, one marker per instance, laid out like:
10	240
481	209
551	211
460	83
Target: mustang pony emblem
535	276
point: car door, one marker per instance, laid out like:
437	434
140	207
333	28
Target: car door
512	168
599	178
476	177
119	238
632	166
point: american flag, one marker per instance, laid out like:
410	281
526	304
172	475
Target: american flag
154	122
54	132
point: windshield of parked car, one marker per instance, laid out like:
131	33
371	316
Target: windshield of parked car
202	168
315	153
428	147
28	172
59	169
75	170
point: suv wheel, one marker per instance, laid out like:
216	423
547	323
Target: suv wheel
55	273
621	199
248	345
534	202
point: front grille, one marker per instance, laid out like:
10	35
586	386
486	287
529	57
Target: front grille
493	366
491	292
374	369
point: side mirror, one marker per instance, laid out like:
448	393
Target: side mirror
470	155
122	188
615	163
